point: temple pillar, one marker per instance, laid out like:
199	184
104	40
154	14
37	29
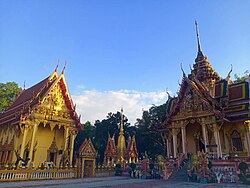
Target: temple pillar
205	137
183	137
66	135
168	147
174	132
217	140
24	140
248	136
72	139
35	127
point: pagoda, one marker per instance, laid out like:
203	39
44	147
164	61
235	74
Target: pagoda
120	153
209	114
40	125
121	145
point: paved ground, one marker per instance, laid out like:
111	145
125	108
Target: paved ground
112	182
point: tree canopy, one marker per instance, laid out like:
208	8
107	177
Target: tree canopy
149	139
8	92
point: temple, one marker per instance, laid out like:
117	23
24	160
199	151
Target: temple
40	125
120	154
209	114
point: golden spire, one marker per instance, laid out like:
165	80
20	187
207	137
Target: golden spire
198	38
121	124
121	146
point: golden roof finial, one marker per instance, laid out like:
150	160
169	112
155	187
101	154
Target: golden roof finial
57	65
24	85
64	67
198	37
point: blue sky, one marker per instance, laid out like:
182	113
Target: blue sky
129	47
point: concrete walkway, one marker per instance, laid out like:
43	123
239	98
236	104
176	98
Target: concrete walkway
112	182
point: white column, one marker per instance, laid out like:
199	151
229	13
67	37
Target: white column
217	140
204	134
174	132
35	127
183	137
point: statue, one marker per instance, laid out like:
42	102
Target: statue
19	158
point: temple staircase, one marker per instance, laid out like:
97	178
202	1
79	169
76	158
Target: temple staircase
180	174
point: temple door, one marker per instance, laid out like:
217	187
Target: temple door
88	168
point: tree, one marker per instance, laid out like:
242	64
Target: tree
241	78
149	139
8	92
88	132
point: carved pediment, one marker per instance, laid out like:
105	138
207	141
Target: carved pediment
193	105
53	106
88	150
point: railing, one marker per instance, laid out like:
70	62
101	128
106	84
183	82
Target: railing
102	172
17	175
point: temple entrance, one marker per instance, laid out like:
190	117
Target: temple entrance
88	168
195	141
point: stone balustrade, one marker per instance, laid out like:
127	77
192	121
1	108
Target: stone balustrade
23	174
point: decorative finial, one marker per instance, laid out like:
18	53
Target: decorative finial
24	85
183	71
57	65
64	67
228	75
198	38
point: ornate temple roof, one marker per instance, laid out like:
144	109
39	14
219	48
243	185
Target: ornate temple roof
29	99
132	149
87	149
110	149
228	101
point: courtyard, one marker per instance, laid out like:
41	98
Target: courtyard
113	182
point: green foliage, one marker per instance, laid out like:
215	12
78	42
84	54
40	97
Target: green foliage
8	92
88	132
243	167
149	139
118	170
132	166
239	78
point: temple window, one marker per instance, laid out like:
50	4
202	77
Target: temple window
236	141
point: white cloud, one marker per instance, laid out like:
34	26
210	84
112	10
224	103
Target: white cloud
95	105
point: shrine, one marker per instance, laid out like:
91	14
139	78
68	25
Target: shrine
40	126
120	154
209	114
87	157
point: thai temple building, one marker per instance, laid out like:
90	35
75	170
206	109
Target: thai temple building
40	125
119	154
209	114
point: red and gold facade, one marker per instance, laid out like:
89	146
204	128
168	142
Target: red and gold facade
41	124
210	114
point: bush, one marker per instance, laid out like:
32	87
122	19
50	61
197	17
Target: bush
132	166
243	167
118	170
